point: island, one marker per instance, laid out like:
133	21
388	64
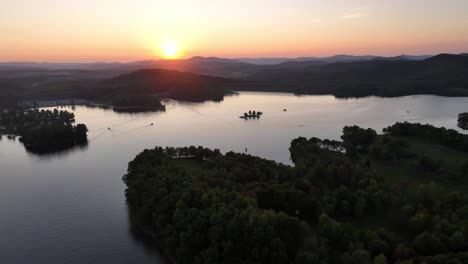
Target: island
395	197
137	103
42	131
251	114
463	121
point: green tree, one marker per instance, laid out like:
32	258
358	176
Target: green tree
380	259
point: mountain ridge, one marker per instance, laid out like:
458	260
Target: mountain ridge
443	74
267	61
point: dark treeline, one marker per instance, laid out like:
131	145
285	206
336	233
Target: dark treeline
123	89
463	120
201	79
43	131
252	114
207	215
333	206
444	74
169	84
136	103
448	137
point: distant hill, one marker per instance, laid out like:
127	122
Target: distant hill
442	74
101	86
209	66
45	81
168	83
60	66
232	68
325	60
341	75
201	65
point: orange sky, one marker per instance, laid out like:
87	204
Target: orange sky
120	30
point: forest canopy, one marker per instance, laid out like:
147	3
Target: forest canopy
371	198
43	131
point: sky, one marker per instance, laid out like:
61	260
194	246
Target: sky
124	30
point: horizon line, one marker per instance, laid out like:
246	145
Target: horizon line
231	58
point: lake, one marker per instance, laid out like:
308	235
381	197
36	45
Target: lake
70	207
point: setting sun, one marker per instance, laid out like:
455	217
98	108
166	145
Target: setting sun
170	50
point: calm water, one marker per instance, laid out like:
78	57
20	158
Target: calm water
70	207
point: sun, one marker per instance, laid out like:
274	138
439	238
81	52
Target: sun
170	49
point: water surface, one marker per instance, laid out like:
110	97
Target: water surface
70	208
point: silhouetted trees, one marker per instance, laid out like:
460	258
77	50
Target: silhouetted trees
201	217
252	114
356	139
463	120
136	103
389	149
43	130
448	137
331	207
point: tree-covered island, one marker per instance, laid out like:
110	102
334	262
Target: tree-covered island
42	131
251	114
463	120
397	197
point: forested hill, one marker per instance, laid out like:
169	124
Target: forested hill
442	75
174	84
398	197
20	85
43	131
198	78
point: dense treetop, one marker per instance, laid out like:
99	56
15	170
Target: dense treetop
463	120
202	79
443	74
43	130
339	204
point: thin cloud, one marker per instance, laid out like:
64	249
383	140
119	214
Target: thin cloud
356	13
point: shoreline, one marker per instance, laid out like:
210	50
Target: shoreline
83	102
53	103
236	92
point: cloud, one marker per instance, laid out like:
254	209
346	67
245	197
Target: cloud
356	13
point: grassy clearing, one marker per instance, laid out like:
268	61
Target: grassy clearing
407	170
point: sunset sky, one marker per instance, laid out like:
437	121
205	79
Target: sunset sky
124	30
